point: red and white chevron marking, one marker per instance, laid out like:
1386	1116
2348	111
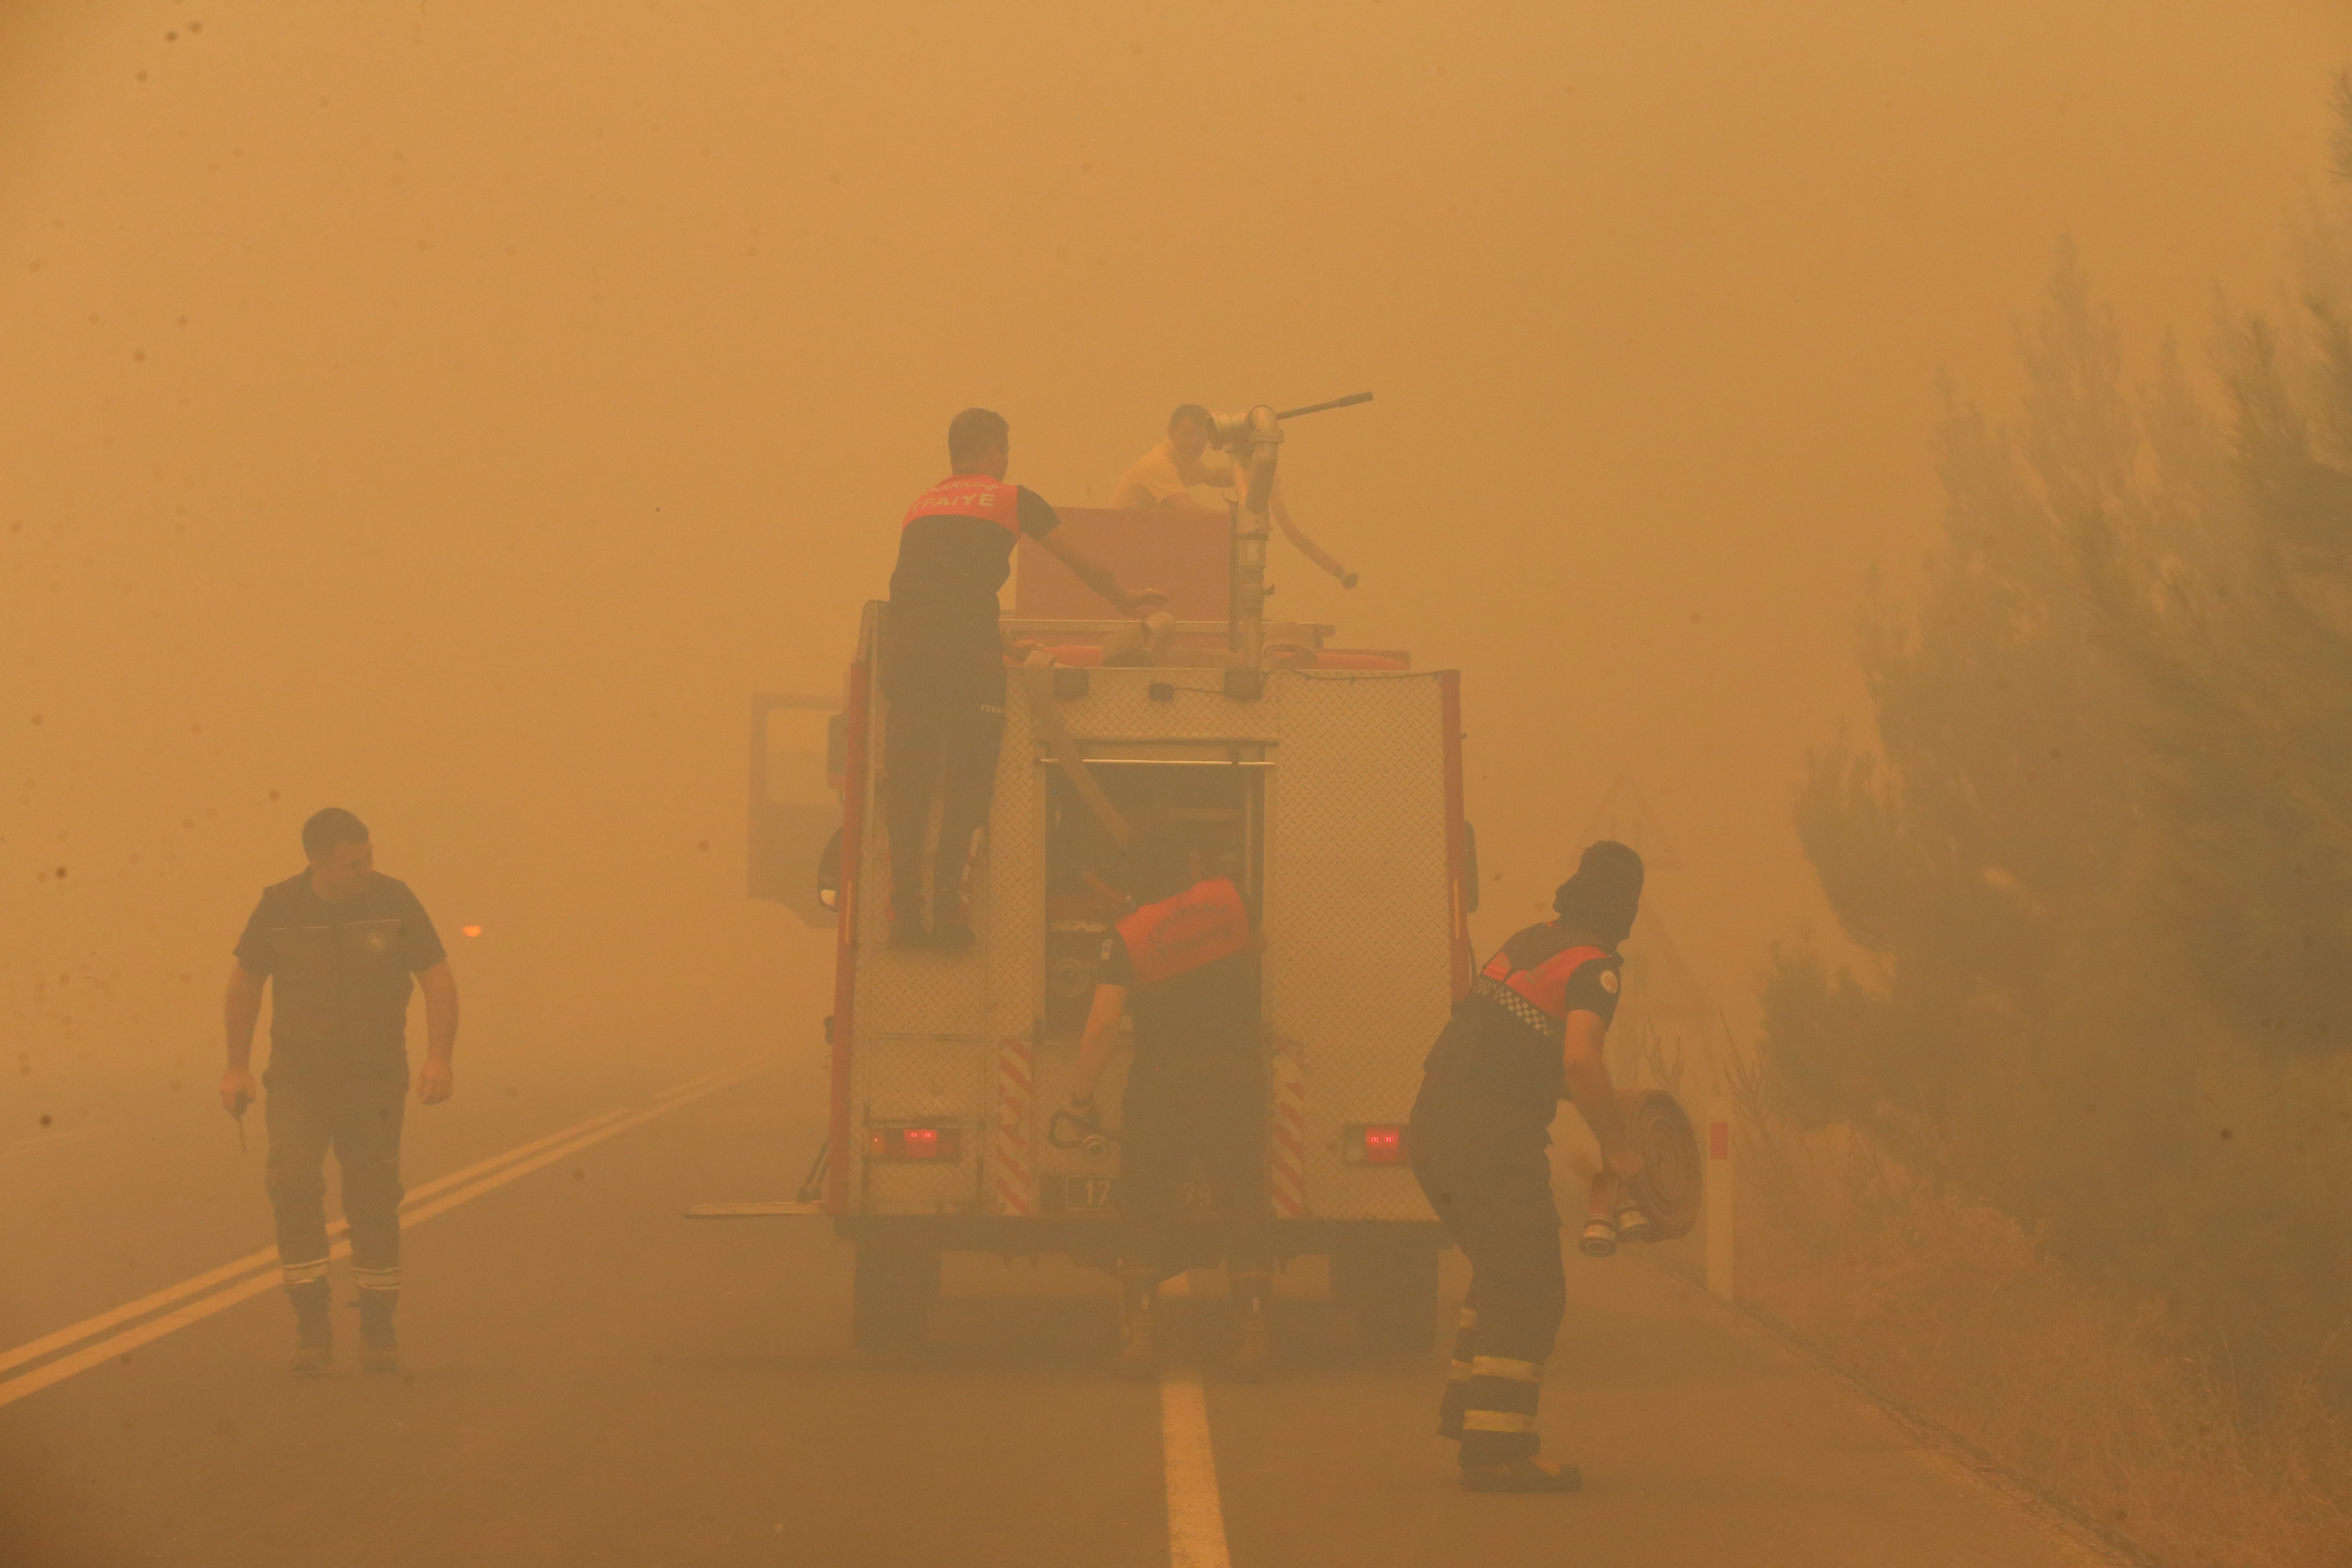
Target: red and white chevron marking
1286	1164
1012	1187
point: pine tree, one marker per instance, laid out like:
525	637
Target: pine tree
2101	856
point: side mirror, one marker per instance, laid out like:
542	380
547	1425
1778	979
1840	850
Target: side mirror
828	874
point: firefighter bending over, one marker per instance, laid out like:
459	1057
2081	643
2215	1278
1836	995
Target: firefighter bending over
1530	1031
1186	964
943	664
342	944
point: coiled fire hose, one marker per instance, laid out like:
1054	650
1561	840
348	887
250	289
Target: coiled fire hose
1070	1130
1673	1175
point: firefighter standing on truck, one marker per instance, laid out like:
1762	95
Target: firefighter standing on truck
1186	964
342	944
943	664
1531	1029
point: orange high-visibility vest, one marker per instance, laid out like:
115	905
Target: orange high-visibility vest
1545	985
1205	923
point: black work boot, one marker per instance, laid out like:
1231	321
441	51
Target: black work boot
1456	1397
1454	1402
314	1330
379	1346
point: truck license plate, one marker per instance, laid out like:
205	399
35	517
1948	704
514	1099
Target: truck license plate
1088	1196
1103	1195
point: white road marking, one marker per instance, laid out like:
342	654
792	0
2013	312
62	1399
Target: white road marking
74	1333
423	1203
34	1145
1196	1517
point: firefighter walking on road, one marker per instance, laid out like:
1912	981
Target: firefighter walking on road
343	946
1530	1031
1186	965
943	664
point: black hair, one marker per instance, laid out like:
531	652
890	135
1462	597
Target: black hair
330	827
971	433
1188	411
1604	894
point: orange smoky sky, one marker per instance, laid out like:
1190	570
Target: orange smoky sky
454	413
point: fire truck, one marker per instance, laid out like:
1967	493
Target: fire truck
1326	781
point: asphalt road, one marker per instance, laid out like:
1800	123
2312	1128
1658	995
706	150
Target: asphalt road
592	1378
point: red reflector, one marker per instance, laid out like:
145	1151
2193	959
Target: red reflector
914	1143
1383	1146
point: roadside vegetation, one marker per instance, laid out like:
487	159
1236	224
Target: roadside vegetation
2064	1162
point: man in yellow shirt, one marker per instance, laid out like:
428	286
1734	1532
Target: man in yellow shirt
1164	476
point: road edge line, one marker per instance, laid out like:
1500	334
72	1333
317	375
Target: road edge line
1947	1450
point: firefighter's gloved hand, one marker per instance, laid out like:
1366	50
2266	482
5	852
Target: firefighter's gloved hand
237	1090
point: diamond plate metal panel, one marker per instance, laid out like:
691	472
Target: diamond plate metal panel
918	1052
922	1188
907	993
1359	908
1118	706
922	1080
1009	907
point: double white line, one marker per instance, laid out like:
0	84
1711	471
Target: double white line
193	1300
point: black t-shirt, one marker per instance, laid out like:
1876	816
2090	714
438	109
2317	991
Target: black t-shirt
950	569
1213	1007
340	972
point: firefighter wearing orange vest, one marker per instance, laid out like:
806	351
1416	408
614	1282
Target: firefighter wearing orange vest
943	664
1530	1032
1186	965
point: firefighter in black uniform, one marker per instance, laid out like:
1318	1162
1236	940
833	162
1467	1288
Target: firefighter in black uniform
342	945
1187	965
1530	1030
943	664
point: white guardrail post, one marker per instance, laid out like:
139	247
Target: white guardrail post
1718	1197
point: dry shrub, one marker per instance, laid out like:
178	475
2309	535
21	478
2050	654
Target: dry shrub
1953	1311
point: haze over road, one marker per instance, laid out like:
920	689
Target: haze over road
592	1378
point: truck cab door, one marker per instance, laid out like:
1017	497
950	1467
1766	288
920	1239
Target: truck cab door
796	761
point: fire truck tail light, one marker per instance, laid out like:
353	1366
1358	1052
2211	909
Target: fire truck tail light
937	1144
1375	1143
